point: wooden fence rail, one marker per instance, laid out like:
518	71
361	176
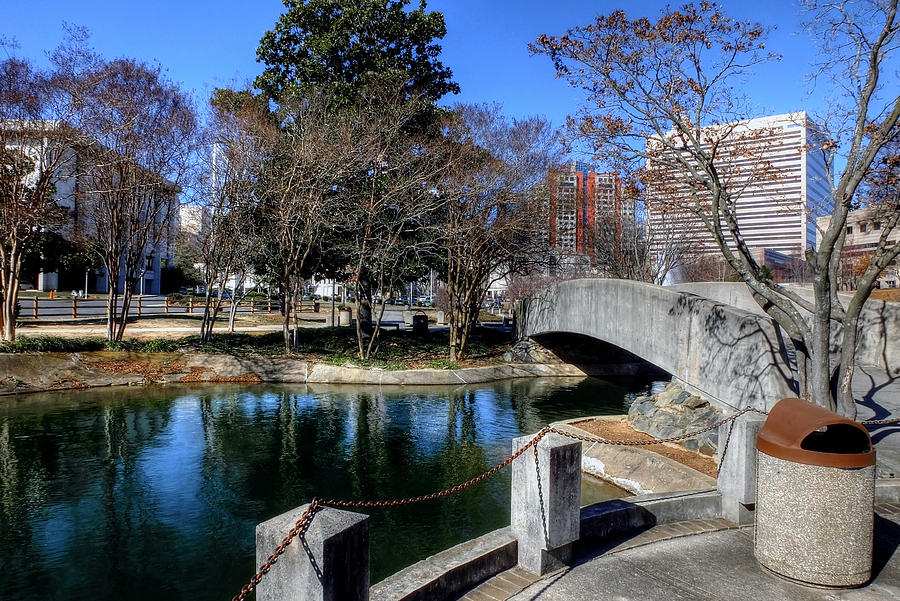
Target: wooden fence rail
59	308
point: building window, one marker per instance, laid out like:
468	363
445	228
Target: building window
891	283
876	225
849	230
862	228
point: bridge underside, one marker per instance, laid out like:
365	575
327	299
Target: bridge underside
597	357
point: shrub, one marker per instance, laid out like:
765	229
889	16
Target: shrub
160	345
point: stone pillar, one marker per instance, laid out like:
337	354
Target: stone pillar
330	562
546	499
737	470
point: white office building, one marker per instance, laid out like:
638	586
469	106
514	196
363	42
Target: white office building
774	170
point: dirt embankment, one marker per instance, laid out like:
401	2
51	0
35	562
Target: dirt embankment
620	430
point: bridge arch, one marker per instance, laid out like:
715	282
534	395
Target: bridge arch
733	357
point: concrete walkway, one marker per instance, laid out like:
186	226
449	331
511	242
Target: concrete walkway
699	559
878	397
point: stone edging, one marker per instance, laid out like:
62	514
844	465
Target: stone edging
36	372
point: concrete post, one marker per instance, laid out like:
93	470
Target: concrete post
329	563
737	470
546	499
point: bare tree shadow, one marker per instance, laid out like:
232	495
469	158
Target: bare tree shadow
878	431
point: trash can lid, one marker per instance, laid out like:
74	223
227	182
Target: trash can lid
802	432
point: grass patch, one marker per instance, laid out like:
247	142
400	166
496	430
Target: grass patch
366	363
53	344
443	364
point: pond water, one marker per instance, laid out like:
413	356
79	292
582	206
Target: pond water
152	493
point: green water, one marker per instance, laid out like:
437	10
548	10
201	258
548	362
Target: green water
154	493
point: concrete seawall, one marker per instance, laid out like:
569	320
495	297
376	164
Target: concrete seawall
34	372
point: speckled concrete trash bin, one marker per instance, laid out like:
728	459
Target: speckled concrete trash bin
815	492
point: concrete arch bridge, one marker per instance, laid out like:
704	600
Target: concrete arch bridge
733	356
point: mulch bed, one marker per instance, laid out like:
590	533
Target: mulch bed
619	429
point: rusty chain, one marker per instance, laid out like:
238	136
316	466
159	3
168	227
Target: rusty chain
644	443
317	505
879	422
299	529
446	491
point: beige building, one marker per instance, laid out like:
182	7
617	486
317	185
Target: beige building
73	183
773	171
864	229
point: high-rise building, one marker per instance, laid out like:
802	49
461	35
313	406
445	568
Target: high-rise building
579	197
775	171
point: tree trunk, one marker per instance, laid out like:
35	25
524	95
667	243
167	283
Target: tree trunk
232	314
126	305
10	291
286	313
112	301
209	316
364	303
819	386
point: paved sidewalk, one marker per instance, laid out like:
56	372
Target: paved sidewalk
695	560
878	397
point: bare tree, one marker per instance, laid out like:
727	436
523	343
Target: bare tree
233	155
388	222
310	154
32	158
496	213
664	93
134	133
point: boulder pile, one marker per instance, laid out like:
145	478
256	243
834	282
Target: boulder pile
674	412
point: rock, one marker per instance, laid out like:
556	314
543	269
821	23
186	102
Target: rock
529	351
694	402
674	412
681	398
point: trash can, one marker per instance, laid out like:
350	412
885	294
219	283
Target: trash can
420	323
315	306
815	491
345	316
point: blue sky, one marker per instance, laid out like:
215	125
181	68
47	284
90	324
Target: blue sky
205	44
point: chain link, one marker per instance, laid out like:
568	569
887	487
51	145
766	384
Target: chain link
447	491
644	443
879	422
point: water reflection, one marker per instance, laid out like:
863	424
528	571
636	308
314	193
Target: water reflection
142	493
